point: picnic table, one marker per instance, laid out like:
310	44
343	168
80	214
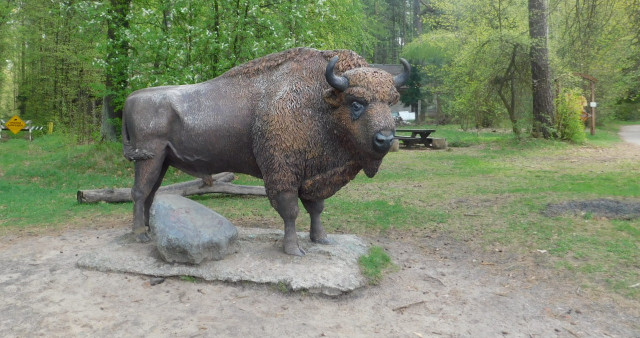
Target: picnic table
417	136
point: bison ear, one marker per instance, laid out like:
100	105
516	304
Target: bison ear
331	97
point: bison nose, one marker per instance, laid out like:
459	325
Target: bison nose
382	142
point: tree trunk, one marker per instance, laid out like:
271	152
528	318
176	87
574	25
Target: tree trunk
540	70
116	72
417	20
509	102
218	184
107	129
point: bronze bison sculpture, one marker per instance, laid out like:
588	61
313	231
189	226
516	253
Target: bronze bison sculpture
305	121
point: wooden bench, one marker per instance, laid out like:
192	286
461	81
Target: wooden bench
418	136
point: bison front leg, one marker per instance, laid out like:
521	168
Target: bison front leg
286	203
317	233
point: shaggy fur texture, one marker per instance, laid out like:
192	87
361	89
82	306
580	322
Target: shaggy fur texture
275	118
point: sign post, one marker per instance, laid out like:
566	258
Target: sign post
592	87
16	125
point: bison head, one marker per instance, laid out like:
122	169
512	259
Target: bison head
361	98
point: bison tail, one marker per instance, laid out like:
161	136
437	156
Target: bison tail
130	152
133	154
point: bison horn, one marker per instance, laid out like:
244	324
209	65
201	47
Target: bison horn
401	79
340	83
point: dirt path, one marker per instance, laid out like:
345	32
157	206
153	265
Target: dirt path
440	289
630	134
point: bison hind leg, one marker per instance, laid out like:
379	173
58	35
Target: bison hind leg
148	178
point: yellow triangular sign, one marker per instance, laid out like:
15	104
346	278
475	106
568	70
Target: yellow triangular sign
15	124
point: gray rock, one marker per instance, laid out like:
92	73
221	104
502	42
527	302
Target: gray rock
188	232
156	280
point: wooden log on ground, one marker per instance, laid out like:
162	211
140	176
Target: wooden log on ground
196	187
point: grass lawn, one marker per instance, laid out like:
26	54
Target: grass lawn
489	189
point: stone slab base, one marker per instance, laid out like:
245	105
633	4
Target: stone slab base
258	258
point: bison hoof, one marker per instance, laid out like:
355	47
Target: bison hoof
294	250
143	238
322	240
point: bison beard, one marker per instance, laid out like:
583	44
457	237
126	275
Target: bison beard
306	121
371	168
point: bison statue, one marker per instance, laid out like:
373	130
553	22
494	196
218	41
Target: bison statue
305	121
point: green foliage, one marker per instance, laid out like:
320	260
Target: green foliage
569	126
468	61
476	85
413	93
599	39
65	57
282	287
374	263
389	23
189	279
179	42
116	124
433	52
627	111
52	53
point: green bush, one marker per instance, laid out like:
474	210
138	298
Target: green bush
569	126
627	111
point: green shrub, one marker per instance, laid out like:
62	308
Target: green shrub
627	111
569	126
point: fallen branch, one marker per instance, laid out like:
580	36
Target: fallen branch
404	307
216	184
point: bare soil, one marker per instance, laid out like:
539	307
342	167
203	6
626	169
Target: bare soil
439	288
601	207
628	209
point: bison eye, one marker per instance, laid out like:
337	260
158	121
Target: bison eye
357	109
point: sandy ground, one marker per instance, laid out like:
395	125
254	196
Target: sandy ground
440	289
631	134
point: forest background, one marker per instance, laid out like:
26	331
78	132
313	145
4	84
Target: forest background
74	62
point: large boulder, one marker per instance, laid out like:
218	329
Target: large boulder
188	232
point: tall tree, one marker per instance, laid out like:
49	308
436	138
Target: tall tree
117	64
52	54
389	22
476	61
540	70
